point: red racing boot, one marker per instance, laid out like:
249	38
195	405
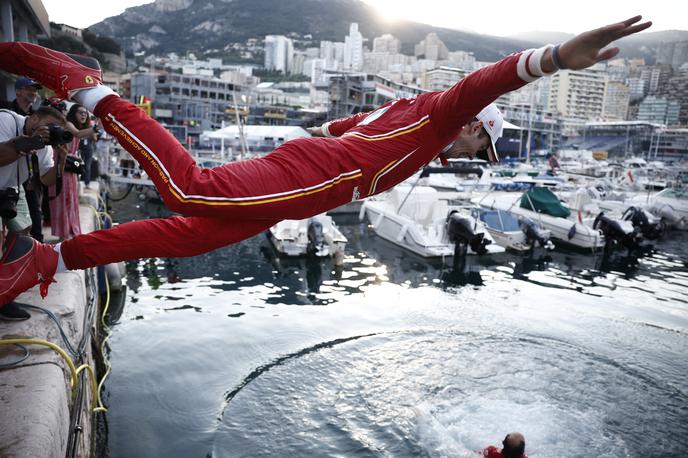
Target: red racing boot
64	73
26	263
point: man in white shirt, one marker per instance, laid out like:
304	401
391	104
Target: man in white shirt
15	161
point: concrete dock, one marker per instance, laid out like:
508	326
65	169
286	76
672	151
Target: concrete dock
37	402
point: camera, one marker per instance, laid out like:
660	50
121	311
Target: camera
58	136
8	203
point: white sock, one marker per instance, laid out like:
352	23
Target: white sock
89	98
61	267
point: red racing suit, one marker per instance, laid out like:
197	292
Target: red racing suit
494	452
365	155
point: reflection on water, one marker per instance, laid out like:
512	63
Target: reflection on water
242	353
379	397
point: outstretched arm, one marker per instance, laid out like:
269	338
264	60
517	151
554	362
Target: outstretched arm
337	127
459	104
588	48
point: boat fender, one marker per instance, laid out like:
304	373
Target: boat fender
315	236
114	273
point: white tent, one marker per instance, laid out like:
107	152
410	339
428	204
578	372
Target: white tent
507	125
256	134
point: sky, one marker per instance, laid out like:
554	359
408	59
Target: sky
489	17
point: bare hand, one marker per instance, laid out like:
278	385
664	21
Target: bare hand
62	152
316	131
42	132
586	49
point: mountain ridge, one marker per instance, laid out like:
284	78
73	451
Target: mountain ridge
202	25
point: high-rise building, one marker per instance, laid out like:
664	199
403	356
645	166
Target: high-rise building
441	78
463	60
432	48
376	62
637	87
188	104
327	50
387	43
659	110
655	77
617	97
339	51
353	49
279	53
677	89
618	70
535	94
578	95
297	64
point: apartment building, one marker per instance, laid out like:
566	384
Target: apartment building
189	104
578	96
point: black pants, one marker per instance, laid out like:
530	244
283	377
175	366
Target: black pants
34	198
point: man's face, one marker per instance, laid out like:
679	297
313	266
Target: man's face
33	122
471	139
26	96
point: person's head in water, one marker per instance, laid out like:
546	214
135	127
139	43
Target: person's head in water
514	445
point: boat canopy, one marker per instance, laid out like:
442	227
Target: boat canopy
544	201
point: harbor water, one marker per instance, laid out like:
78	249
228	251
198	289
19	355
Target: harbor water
238	353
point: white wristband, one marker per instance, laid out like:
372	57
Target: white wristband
535	63
325	129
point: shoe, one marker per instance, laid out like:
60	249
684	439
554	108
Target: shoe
64	73
26	263
13	312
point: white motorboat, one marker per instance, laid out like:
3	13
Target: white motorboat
414	218
579	232
620	206
317	236
518	234
671	205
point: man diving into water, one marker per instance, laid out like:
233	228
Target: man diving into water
356	157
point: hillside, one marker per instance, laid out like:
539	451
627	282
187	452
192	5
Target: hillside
202	25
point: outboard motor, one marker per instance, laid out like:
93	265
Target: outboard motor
614	231
535	234
650	226
460	231
669	216
316	240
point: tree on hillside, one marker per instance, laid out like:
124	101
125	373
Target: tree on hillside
64	43
101	43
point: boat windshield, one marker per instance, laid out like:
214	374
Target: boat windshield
675	193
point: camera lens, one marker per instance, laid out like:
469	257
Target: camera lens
58	136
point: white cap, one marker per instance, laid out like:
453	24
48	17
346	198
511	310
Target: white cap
493	123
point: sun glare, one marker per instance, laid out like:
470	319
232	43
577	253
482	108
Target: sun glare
389	10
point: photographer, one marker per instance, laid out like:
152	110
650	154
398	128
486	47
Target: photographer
21	137
26	91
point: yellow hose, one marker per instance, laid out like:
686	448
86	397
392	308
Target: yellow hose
73	370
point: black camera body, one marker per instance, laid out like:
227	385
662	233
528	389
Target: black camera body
8	203
58	135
